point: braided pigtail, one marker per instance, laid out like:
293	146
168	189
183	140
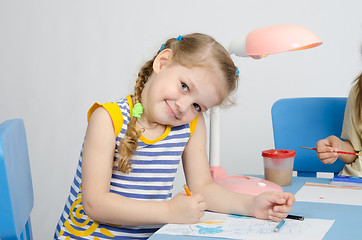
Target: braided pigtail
129	143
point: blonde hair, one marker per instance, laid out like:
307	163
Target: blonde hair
192	50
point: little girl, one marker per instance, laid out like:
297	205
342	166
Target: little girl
132	149
351	131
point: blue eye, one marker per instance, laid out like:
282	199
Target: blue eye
197	107
184	87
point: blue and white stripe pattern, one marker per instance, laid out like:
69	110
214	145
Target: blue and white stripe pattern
154	167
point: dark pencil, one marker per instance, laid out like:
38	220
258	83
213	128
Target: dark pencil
300	218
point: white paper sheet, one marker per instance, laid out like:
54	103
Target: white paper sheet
329	195
247	228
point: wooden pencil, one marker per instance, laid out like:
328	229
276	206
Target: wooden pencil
330	185
188	193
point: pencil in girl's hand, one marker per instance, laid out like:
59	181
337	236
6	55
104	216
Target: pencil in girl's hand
188	193
350	153
277	228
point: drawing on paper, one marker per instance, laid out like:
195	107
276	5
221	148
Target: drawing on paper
242	227
209	230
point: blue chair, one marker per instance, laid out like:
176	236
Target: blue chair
301	122
16	189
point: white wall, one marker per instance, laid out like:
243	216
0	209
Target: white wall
58	57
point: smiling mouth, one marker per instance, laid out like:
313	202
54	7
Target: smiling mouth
171	112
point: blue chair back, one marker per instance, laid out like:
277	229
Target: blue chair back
301	122
16	189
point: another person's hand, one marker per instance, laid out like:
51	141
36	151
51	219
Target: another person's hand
273	205
327	149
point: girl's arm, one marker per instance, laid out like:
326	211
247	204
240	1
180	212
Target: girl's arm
274	206
102	205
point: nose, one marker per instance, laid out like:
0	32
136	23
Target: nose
183	104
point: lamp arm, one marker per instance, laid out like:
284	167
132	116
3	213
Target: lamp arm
237	46
214	145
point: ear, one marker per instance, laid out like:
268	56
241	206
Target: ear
163	58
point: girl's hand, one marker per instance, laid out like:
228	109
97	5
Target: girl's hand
186	209
273	205
327	149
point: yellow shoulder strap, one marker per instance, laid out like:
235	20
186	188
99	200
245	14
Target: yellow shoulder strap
193	124
113	110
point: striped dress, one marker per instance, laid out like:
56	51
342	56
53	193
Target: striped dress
154	166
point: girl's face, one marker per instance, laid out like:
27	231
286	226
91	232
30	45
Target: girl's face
175	94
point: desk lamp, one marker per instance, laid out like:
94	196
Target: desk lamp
257	44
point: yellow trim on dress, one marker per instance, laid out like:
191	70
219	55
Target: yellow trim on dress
142	138
117	119
114	112
130	103
193	125
164	135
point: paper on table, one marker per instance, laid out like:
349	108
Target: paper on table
336	195
247	228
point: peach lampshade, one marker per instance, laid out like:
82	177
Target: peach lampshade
274	39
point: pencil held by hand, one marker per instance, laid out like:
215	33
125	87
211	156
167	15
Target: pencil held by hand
187	190
277	228
350	153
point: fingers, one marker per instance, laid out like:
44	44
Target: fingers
202	213
187	209
198	198
327	149
335	143
327	156
281	198
202	206
199	207
283	204
277	217
282	209
199	201
198	204
329	144
290	198
280	212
